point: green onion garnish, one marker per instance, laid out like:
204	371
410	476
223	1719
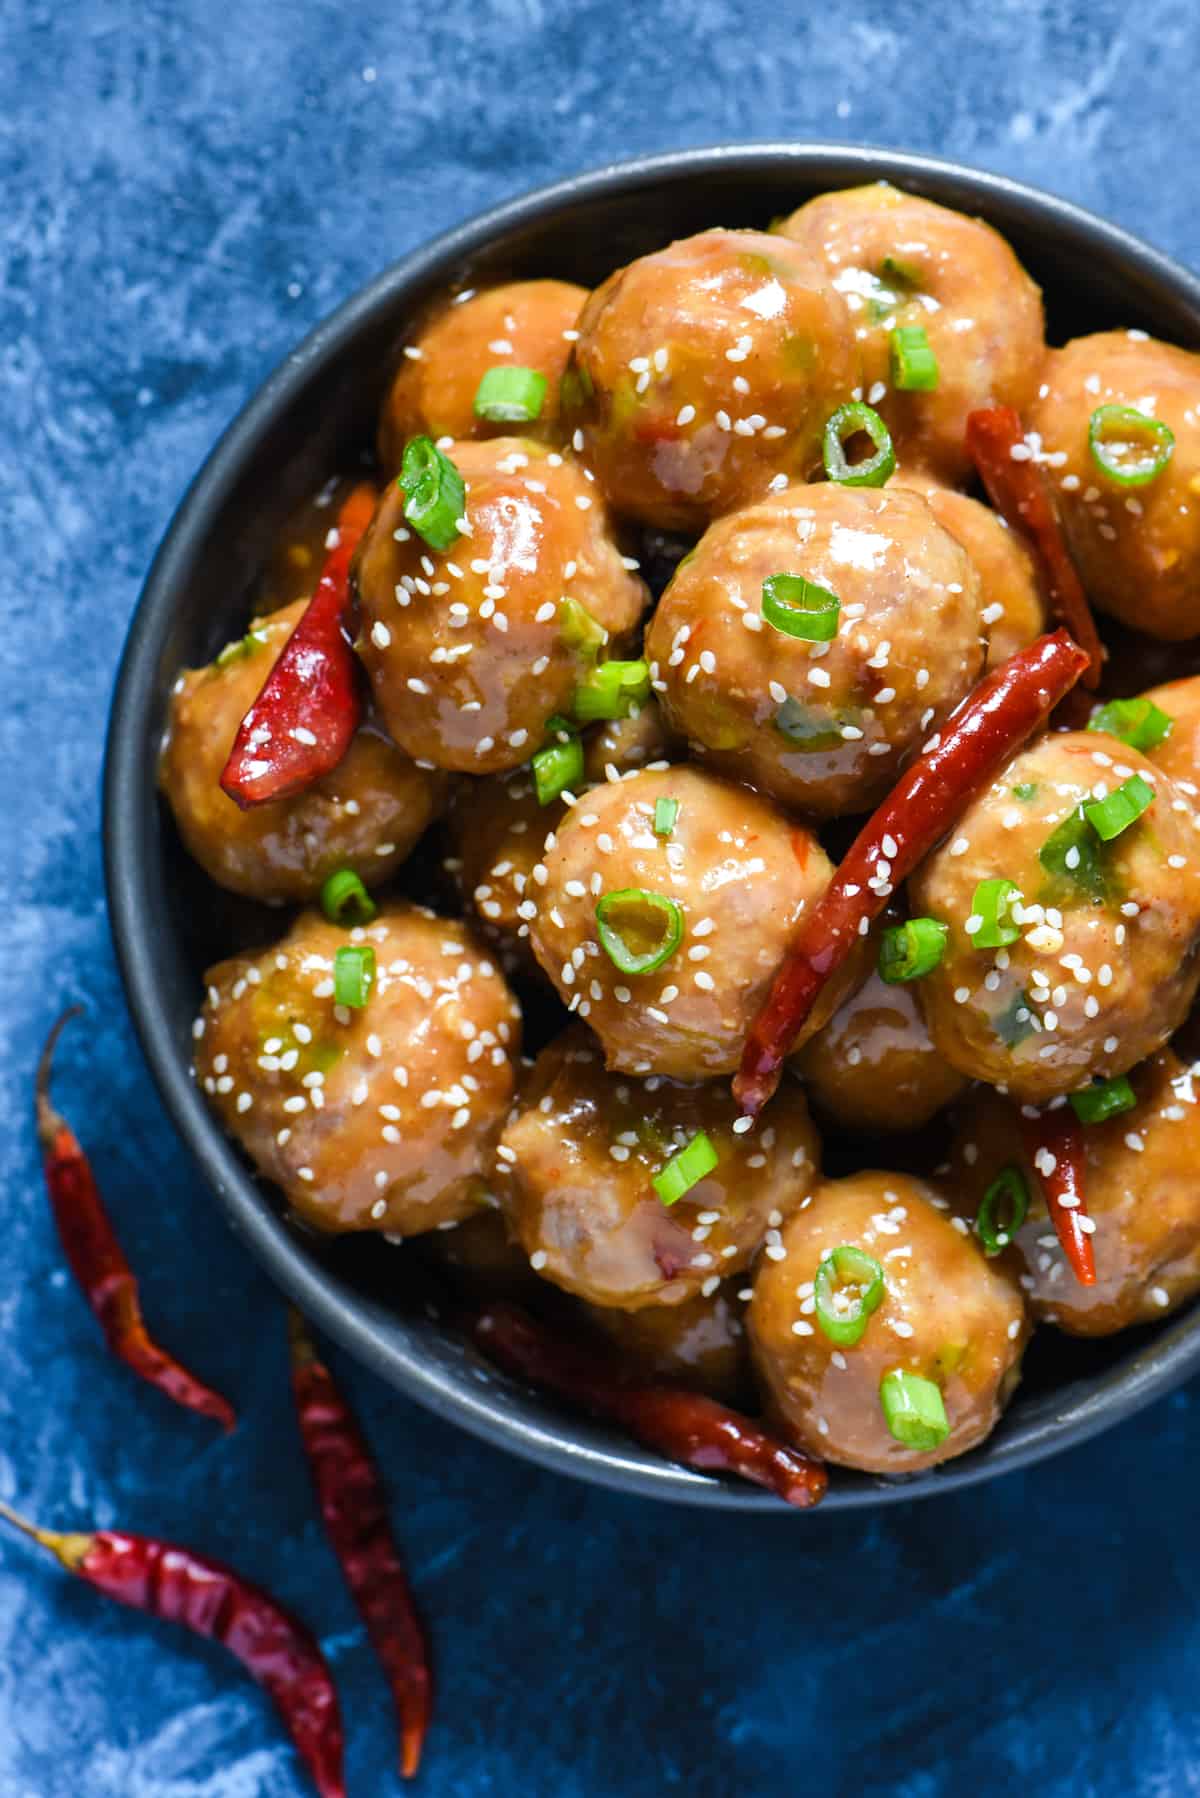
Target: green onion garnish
908	951
242	648
434	493
1128	447
611	690
993	905
558	726
580	631
510	395
1016	1022
665	813
557	769
847	1288
847	422
638	930
692	1164
345	900
1073	852
353	974
913	1409
807	728
800	608
1103	1099
1137	722
914	365
1025	789
1010	1190
1114	813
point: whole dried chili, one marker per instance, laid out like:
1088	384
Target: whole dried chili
989	726
212	1600
1018	489
97	1260
684	1426
304	720
352	1506
1055	1149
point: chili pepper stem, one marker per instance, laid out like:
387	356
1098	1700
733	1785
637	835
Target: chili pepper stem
68	1548
49	1121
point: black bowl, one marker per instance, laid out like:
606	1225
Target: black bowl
311	417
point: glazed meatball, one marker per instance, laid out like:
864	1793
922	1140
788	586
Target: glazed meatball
1136	548
824	727
1178	755
640	738
470	653
899	261
946	1314
575	1171
383	1117
482	1258
705	370
1142	1195
731	880
525	324
1103	967
873	1066
367	815
699	1344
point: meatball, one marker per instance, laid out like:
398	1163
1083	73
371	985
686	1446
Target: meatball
1136	548
1103	967
1140	1185
482	1259
1013	613
367	815
946	1314
699	1344
575	1168
731	880
901	261
471	653
1178	755
821	726
524	324
638	739
705	370
873	1066
383	1117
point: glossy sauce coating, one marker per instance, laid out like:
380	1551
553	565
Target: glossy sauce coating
700	1344
947	1314
1178	755
873	1067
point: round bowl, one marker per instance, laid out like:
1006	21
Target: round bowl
311	417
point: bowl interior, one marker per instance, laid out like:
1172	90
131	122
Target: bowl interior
313	417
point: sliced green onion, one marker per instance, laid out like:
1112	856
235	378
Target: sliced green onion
993	904
510	395
914	365
1103	1099
900	273
557	769
808	728
1016	1022
434	492
353	974
1011	1190
242	648
665	813
345	900
1114	813
800	608
579	629
847	422
1129	448
843	1313
909	951
638	930
1136	722
611	690
559	727
1073	852
913	1410
685	1170
1025	789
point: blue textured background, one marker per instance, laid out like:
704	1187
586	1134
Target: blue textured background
187	187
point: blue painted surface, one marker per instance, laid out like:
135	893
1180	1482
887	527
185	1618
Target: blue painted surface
187	187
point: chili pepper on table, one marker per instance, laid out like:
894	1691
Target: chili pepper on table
304	720
212	1600
684	1426
987	728
1017	488
354	1512
1054	1146
97	1260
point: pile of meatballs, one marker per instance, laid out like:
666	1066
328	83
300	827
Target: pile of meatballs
673	464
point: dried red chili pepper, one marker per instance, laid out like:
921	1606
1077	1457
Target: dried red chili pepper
97	1260
304	720
212	1600
1019	491
979	736
351	1501
684	1426
1055	1149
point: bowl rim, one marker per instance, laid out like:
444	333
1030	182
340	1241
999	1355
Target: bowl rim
552	1441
